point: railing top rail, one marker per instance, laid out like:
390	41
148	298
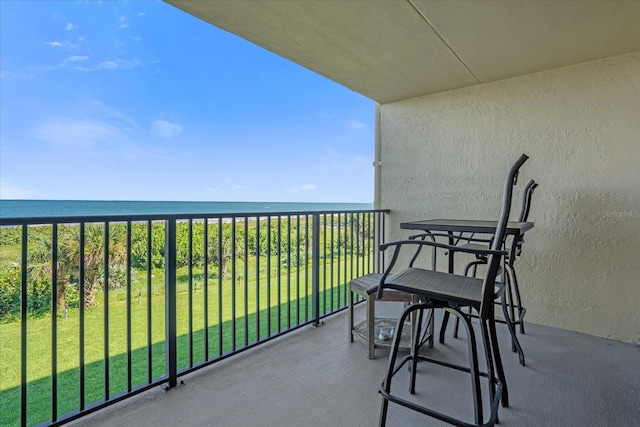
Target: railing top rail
73	219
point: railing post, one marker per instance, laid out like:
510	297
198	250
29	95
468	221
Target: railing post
315	269
170	302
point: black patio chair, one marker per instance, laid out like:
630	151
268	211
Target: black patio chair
514	300
453	293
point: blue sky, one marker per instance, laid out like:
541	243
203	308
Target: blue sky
137	100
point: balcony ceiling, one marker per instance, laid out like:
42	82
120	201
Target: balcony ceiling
393	50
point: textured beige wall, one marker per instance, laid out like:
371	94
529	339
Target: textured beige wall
446	155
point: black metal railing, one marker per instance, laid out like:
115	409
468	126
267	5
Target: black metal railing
96	309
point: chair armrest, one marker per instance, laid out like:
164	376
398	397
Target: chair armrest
397	245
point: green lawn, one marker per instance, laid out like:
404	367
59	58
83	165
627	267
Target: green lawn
256	300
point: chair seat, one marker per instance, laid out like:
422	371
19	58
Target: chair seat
437	285
474	246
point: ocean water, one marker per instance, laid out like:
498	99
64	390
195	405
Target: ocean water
41	208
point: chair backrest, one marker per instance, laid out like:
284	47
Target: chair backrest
526	200
493	263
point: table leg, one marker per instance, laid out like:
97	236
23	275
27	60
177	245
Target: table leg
445	318
371	326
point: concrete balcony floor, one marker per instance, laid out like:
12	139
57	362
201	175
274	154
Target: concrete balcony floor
315	377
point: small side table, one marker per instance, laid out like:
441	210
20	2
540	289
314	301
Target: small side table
376	332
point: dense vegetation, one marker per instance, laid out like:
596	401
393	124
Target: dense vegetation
287	240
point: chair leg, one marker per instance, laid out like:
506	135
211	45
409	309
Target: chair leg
510	318
443	327
351	301
514	338
516	288
486	342
415	347
498	360
490	348
473	364
393	355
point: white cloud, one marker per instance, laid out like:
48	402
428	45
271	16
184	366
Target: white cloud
77	58
108	64
124	26
165	129
10	75
115	117
236	188
309	187
62	45
78	133
70	26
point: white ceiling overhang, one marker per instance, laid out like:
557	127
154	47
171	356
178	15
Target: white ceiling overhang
393	50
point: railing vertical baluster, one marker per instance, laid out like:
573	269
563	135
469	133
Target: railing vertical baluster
170	302
367	241
306	268
220	261
288	271
190	288
298	269
23	329
363	233
354	249
205	284
346	247
357	242
378	242
382	239
128	263
365	245
149	300
269	276
372	242
324	263
329	253
279	269
246	280
338	258
81	344
106	310
233	283
333	281
54	322
315	268
258	223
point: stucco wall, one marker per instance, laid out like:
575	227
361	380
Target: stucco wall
446	155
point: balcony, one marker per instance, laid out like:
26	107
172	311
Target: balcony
273	348
315	377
